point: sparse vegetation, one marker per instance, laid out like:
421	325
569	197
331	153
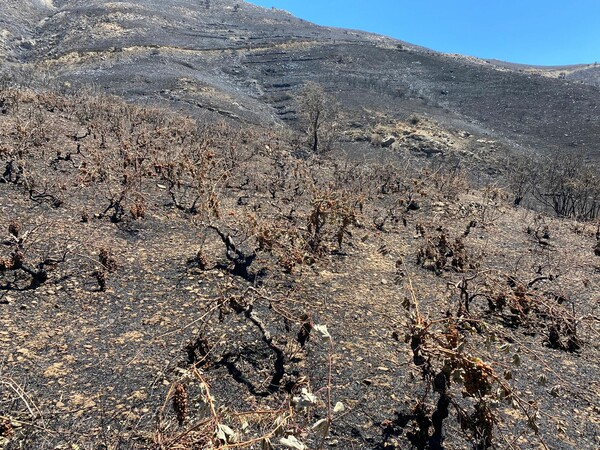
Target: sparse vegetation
264	236
165	282
565	185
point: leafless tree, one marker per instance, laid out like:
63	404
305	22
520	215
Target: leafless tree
569	186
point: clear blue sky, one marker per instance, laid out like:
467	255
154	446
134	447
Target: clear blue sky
544	32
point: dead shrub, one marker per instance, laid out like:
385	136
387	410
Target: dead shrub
331	215
440	254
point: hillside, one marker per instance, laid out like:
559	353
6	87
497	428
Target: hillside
589	75
183	267
239	60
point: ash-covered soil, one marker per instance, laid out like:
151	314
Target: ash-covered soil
168	283
183	272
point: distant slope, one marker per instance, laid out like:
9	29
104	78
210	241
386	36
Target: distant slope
589	75
18	20
238	60
584	73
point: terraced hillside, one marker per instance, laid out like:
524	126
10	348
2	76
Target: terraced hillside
223	227
238	60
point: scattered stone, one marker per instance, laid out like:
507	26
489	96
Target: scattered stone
388	141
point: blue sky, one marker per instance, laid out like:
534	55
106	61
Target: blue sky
548	32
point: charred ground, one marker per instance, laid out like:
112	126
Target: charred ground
187	273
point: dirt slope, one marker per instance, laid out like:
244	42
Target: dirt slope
163	282
182	272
